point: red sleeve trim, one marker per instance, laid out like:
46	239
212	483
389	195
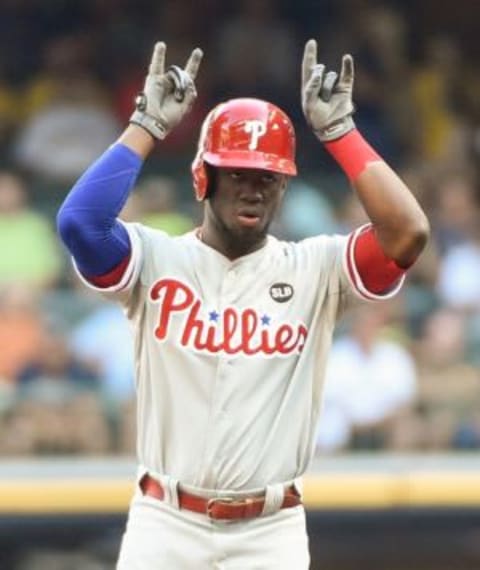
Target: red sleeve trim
111	278
353	154
368	263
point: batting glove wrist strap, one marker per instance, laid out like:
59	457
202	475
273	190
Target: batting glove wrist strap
336	129
152	125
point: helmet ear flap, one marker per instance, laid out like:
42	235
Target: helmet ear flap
199	171
200	179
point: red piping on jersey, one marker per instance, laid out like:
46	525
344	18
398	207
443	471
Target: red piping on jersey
378	272
113	277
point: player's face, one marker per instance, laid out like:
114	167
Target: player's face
243	204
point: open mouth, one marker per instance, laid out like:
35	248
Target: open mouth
248	220
249	216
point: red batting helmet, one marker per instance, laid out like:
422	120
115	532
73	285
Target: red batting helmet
244	133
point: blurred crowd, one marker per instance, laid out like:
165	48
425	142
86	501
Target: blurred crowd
404	375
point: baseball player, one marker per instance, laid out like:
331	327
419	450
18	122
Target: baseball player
232	326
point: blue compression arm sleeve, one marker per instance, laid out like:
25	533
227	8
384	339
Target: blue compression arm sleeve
87	221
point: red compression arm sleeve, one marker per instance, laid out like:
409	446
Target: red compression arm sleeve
378	272
353	153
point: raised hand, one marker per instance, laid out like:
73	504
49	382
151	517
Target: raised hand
326	97
167	95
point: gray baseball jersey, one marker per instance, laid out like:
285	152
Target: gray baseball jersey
230	355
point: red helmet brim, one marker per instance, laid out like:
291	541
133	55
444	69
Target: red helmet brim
251	159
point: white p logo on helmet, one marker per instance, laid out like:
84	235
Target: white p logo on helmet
257	129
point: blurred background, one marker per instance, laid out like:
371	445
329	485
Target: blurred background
403	379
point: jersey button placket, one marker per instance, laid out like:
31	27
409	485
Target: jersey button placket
231	285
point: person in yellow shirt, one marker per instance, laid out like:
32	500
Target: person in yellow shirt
28	249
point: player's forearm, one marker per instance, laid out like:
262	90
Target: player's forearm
138	140
401	226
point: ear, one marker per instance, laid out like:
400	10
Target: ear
284	184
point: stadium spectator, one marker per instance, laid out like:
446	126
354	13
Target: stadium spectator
267	64
306	212
21	330
448	385
103	338
54	374
159	202
69	120
29	252
459	278
9	109
435	85
455	209
370	382
57	409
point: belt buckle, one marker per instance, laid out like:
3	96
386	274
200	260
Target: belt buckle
213	501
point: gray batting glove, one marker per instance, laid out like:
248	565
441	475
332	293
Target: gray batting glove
167	95
326	97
